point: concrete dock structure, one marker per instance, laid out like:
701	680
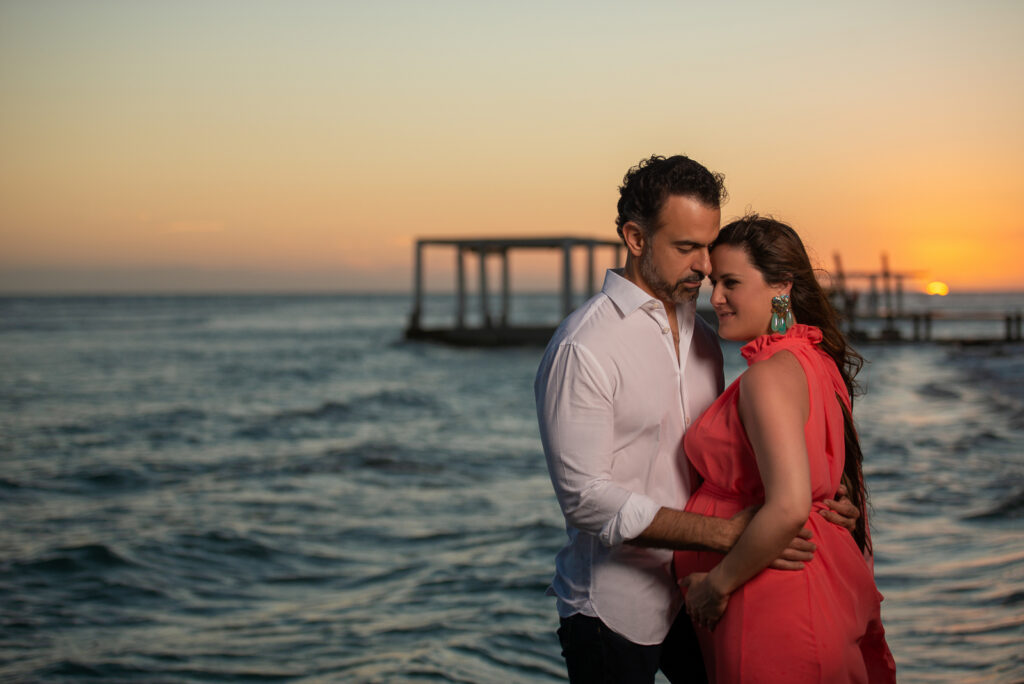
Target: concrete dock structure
499	330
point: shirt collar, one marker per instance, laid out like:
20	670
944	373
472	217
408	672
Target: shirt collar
628	297
624	293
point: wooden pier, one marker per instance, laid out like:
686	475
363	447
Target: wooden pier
918	327
499	330
873	314
882	317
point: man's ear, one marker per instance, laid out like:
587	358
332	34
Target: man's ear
634	237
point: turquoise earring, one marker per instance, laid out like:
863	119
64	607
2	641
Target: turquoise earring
782	314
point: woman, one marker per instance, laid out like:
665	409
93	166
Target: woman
782	435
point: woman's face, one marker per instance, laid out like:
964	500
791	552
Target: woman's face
741	297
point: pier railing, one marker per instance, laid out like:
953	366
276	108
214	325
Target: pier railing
919	326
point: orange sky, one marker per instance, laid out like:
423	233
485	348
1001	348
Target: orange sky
303	146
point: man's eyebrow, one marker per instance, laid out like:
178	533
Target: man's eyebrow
689	243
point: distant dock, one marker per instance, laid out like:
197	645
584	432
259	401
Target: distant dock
876	314
882	316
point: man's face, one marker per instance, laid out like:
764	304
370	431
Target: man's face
675	259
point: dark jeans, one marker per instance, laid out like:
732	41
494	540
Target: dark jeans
595	654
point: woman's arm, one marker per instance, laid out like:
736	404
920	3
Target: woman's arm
773	405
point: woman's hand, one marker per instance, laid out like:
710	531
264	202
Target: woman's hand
704	604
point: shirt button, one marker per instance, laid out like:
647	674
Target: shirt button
687	421
665	331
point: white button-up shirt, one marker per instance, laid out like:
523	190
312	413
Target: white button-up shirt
613	402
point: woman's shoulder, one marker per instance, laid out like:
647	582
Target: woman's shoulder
781	369
778	379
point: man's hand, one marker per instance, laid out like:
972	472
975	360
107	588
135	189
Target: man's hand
841	510
799	551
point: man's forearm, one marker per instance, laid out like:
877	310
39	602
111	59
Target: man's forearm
682	531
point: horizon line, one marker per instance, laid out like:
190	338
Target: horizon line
331	292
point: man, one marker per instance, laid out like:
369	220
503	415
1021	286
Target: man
621	380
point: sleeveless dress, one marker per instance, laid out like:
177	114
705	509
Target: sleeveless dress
819	624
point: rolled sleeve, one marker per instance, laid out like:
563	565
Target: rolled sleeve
636	514
574	410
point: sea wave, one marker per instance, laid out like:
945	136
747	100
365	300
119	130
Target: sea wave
1009	508
265	491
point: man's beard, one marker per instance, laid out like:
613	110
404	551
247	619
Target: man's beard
676	293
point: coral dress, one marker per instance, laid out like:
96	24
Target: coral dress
819	624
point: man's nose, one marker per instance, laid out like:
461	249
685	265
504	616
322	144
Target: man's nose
704	265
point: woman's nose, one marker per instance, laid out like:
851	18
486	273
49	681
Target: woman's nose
716	295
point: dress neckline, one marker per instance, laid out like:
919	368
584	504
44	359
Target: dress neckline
764	346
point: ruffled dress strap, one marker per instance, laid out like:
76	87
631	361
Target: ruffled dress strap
762	347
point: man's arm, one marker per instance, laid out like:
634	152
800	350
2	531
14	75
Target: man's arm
576	419
682	531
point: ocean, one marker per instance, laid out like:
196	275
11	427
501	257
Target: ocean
281	489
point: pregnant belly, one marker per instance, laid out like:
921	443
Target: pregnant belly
711	499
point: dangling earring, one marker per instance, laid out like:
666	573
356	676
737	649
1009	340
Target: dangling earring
782	314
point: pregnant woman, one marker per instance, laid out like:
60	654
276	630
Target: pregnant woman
781	437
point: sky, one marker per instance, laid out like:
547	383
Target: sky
249	145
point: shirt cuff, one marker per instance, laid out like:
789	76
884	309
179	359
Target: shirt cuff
636	514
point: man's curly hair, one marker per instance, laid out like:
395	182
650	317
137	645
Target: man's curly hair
646	186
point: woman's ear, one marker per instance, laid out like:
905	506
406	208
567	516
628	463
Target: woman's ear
634	237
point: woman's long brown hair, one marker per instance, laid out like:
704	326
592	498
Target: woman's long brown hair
778	253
